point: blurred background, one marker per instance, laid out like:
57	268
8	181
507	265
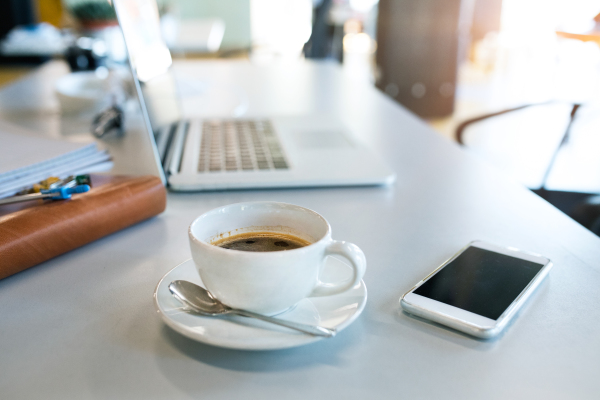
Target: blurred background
517	82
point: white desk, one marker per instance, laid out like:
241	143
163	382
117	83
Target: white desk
84	326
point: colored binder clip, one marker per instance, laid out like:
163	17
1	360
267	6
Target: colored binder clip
54	182
59	193
62	193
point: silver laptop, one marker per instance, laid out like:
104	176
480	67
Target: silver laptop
236	153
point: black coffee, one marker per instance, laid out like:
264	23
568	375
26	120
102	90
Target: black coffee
261	241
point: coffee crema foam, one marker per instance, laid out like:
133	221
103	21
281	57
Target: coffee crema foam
261	241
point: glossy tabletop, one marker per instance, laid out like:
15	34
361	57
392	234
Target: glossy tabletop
83	325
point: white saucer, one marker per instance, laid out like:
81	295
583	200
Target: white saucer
235	332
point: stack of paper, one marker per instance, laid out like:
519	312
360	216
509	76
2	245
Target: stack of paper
27	159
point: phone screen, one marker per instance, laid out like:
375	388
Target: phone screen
480	281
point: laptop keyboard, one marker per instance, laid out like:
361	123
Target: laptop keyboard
240	145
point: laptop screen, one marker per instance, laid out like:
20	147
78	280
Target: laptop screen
150	60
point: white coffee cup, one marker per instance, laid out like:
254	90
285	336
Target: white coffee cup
268	282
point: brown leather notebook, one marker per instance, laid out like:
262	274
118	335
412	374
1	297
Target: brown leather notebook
36	231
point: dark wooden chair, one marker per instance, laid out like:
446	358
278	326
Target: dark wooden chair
582	207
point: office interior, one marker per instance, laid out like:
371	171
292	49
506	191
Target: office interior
514	82
484	113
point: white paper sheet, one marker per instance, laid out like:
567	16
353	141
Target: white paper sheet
26	159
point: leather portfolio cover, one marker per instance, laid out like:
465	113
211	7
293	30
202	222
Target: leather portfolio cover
36	231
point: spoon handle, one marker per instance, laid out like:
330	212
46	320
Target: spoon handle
310	329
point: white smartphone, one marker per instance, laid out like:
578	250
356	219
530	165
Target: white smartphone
479	290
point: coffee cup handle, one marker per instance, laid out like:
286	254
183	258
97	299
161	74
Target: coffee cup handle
357	259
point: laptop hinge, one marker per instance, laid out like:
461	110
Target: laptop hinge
173	160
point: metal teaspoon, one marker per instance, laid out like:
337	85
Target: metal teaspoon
201	301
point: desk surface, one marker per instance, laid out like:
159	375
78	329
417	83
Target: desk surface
84	326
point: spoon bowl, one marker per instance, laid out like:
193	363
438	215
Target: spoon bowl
197	298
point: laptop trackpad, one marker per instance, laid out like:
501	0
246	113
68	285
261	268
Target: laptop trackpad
319	139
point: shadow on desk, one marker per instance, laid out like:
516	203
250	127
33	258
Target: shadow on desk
322	352
174	348
441	331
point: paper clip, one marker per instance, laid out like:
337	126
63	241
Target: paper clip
59	193
54	182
